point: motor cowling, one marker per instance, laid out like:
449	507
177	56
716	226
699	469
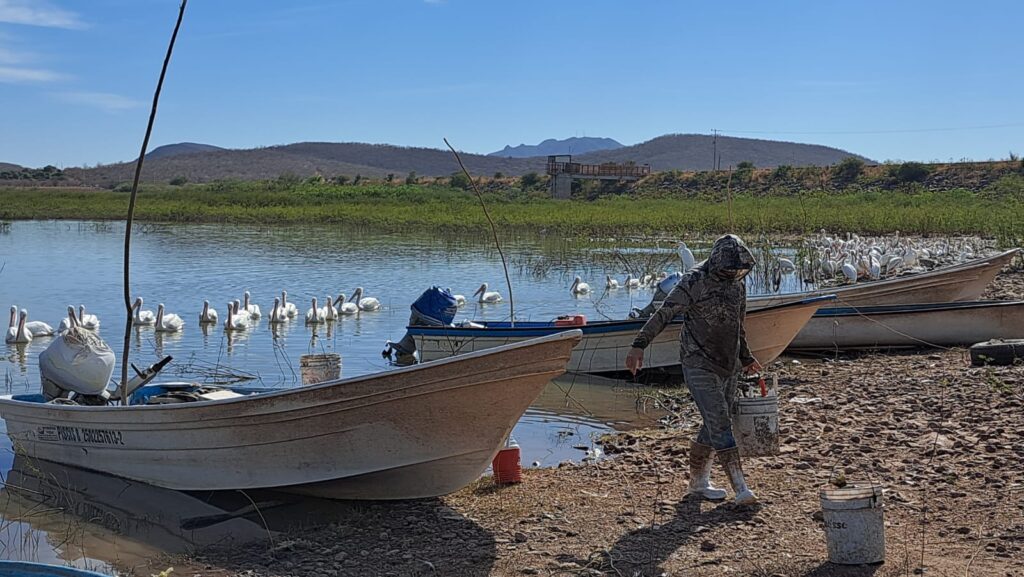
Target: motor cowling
434	308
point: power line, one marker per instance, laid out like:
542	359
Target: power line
887	131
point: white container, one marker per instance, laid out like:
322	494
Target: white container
755	425
853	524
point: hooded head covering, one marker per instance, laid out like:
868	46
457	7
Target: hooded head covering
729	254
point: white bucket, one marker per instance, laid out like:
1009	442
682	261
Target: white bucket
755	425
319	368
853	524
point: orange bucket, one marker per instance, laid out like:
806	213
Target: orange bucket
506	466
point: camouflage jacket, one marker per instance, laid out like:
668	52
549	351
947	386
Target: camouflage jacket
712	308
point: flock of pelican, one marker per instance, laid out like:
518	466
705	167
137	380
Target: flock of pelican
239	315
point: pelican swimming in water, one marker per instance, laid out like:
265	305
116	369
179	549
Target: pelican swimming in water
87	321
364	303
143	318
35	328
277	314
251	308
329	310
209	314
290	309
610	283
167	322
487	296
19	334
579	287
315	315
631	282
460	300
235	320
344	306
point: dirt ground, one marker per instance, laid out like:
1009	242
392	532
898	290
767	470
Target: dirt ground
944	438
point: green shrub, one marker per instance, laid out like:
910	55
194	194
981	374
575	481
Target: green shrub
459	180
177	181
411	177
909	172
848	170
529	180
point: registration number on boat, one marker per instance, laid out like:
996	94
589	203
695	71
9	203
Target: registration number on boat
66	434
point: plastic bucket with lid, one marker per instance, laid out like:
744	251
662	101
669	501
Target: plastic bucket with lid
854	528
755	425
319	368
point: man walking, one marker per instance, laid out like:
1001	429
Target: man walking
712	298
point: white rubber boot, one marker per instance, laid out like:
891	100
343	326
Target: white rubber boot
730	460
700	473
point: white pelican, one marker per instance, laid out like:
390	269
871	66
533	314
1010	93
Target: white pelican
144	318
277	314
344	306
687	257
209	314
460	300
167	322
91	322
35	328
579	287
850	272
252	309
315	315
364	303
290	309
331	313
19	334
487	296
786	266
632	283
235	320
610	283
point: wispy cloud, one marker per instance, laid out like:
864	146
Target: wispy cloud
103	100
38	13
13	75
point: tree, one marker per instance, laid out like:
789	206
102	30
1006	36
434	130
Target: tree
411	177
178	181
390	177
499	175
341	179
358	179
910	172
529	180
848	170
459	180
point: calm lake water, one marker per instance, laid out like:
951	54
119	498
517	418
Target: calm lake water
50	265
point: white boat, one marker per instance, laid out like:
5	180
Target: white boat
962	282
918	325
412	432
605	343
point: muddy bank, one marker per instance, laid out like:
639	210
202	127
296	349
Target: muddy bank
944	438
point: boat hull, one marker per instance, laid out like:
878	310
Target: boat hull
963	282
943	324
605	344
414	432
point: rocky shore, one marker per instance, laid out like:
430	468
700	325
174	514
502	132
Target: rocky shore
944	438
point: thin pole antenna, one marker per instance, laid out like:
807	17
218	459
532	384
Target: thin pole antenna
494	232
131	211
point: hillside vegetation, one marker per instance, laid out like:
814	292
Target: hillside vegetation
329	159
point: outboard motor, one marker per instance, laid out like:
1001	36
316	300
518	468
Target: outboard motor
661	291
436	307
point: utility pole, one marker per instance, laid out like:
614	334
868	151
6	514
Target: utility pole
714	153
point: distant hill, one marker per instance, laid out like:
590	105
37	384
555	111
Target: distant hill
670	152
695	152
168	150
574	145
4	166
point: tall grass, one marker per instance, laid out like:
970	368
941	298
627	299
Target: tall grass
431	207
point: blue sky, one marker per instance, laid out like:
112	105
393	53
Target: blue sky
911	80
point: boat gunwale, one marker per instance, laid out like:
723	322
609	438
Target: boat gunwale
570	333
912	308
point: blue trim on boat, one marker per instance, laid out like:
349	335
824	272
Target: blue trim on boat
23	569
542	328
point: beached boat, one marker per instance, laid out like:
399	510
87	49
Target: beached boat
918	325
605	343
961	282
412	432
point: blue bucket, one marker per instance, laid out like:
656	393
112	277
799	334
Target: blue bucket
22	569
